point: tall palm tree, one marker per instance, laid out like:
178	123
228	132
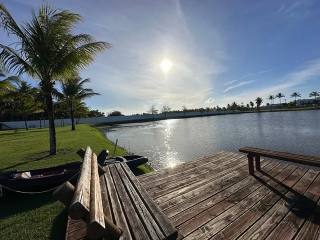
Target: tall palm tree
280	95
271	98
295	95
251	104
315	95
258	102
46	49
73	92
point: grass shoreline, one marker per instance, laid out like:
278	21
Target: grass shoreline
40	216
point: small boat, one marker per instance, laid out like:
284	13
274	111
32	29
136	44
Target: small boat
39	180
131	160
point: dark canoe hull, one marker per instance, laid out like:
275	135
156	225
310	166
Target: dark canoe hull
131	160
40	179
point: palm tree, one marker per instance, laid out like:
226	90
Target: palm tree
258	102
315	95
280	95
73	92
46	49
24	99
295	95
271	98
251	104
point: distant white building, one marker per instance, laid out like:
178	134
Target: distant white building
306	101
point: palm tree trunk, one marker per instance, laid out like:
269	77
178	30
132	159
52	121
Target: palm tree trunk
72	116
25	123
52	129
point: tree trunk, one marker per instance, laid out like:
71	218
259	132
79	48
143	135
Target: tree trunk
25	123
52	129
72	117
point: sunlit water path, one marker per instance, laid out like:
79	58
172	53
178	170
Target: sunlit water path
169	142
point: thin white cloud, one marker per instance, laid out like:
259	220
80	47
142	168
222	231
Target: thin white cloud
240	84
246	76
296	9
308	71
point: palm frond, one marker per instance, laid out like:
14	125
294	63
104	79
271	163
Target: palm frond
14	62
8	23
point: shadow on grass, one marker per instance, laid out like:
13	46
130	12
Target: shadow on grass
14	203
19	132
59	225
33	159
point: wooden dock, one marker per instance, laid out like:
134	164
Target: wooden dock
216	198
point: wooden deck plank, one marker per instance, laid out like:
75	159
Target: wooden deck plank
159	174
198	198
239	226
189	178
215	184
215	198
263	227
193	172
178	215
209	227
302	207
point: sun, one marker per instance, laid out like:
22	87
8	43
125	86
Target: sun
166	65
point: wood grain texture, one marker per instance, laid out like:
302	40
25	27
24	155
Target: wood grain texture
220	200
96	225
80	204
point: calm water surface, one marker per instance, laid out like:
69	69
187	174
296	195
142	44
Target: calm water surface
169	142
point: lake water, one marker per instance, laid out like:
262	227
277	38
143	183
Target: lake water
170	142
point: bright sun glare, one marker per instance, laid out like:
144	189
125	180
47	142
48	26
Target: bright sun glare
166	65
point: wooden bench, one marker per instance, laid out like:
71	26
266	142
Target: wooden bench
113	205
254	155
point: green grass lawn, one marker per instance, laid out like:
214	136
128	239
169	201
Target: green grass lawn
39	216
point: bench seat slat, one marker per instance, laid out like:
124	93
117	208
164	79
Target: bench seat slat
167	228
135	224
144	214
117	211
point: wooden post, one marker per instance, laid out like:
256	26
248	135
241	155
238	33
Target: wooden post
257	160
250	164
64	193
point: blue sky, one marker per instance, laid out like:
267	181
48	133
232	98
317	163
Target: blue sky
221	51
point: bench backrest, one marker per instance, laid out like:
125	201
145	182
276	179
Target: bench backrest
80	204
85	200
290	157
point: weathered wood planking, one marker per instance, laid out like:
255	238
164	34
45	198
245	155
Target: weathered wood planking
221	200
235	192
240	206
96	226
222	158
172	184
163	173
80	203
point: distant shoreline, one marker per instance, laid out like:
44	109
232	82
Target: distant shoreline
114	120
208	114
